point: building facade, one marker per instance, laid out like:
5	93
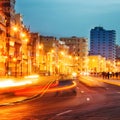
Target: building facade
2	43
117	51
8	9
102	42
15	40
96	64
48	61
118	58
78	47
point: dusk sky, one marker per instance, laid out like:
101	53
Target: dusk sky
66	18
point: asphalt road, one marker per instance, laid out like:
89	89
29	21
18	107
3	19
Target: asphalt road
90	103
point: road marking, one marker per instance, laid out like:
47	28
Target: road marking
88	99
118	92
82	91
107	88
78	88
64	112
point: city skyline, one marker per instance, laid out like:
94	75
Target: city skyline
70	18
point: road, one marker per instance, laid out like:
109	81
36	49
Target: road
90	103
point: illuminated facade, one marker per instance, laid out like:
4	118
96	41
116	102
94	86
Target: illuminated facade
117	58
48	42
117	51
49	60
2	43
17	41
7	7
78	47
35	51
96	64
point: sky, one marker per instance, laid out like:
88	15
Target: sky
66	18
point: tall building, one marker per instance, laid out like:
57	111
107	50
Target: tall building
78	47
117	52
102	42
118	58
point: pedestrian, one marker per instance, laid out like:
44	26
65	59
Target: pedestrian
116	74
108	75
103	75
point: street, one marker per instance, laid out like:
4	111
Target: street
90	103
59	60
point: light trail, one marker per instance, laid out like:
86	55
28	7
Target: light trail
63	88
45	89
12	82
36	89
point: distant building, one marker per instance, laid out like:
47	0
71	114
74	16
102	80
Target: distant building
48	42
118	58
96	63
35	51
102	42
78	46
117	52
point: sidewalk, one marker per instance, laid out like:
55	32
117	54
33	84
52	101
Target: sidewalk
113	81
97	81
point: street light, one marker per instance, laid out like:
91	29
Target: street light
15	29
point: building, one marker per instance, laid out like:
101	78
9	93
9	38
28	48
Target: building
35	53
117	58
102	42
117	52
50	56
2	43
96	64
17	41
48	42
8	9
78	47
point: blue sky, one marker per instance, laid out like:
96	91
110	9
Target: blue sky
66	18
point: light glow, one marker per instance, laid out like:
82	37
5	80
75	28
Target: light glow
32	76
12	83
27	80
74	74
63	88
50	87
